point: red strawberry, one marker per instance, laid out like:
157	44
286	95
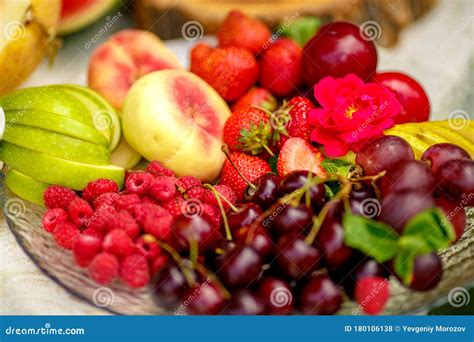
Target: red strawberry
230	71
256	97
372	293
248	130
251	167
281	67
295	114
199	53
298	154
241	30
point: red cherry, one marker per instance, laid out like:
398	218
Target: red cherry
411	95
336	50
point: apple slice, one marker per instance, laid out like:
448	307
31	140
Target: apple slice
55	123
49	99
57	145
104	116
125	156
25	187
175	117
52	170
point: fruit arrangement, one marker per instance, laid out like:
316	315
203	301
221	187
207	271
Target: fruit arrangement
285	175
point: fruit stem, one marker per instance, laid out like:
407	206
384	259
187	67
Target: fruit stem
225	293
228	233
229	203
180	261
225	149
268	150
193	251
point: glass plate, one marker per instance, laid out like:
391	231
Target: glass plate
24	220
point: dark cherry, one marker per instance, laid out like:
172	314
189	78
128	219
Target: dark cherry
169	287
290	219
336	50
266	192
411	95
320	296
296	180
359	201
204	299
277	295
261	241
246	215
197	228
245	302
367	268
331	239
240	267
296	258
427	272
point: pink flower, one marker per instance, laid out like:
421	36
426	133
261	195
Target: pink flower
352	113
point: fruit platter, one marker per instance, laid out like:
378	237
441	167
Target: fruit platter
284	173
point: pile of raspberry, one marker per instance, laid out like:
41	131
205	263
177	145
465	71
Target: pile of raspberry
119	234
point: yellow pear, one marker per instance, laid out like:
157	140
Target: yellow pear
28	34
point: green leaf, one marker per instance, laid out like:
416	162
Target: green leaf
403	265
300	30
432	226
329	192
338	166
375	239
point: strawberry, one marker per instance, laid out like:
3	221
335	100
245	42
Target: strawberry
230	71
256	97
295	114
248	130
199	53
251	167
298	154
281	67
241	30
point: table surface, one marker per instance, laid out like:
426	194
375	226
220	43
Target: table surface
438	50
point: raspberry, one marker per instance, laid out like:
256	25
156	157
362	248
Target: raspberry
103	220
158	264
174	207
223	190
104	268
372	293
154	220
138	182
134	271
118	243
98	187
162	188
80	212
105	199
149	200
212	213
127	202
57	196
53	217
127	223
93	232
65	234
196	192
157	168
148	246
187	182
85	248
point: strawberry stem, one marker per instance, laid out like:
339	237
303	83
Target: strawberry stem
225	149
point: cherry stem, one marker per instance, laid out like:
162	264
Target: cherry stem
193	251
225	149
229	203
180	261
225	293
221	208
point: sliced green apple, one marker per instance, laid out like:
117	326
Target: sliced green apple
49	99
57	145
52	170
56	123
104	116
25	187
125	156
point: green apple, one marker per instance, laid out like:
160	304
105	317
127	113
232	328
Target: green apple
57	145
125	156
52	170
49	99
103	115
25	187
55	123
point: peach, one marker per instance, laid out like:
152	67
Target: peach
175	117
125	57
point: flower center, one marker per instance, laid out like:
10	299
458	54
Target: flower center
350	111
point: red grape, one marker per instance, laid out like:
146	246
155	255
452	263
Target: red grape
408	175
454	213
456	179
439	154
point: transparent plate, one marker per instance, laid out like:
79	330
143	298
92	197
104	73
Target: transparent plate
24	220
